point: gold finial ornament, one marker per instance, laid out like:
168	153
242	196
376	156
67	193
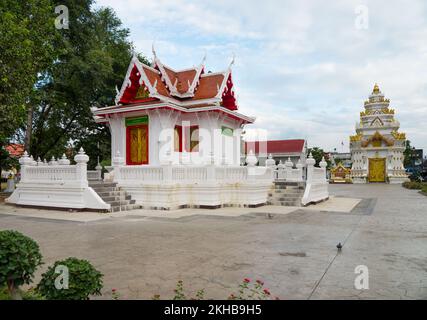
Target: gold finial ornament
398	135
376	89
355	138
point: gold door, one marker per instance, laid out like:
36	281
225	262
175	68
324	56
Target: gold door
137	140
377	170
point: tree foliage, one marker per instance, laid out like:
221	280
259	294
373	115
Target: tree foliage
27	49
19	258
318	154
79	68
84	280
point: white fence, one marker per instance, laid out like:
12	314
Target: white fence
56	184
171	186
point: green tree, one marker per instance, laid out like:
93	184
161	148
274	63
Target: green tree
318	154
96	53
408	154
27	38
6	161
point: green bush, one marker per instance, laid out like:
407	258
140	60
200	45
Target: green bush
413	185
19	258
84	280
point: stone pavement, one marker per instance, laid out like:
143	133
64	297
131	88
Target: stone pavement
293	250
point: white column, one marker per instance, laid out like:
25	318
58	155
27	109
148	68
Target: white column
323	165
81	159
310	168
118	162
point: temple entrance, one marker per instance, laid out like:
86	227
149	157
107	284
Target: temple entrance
137	140
376	170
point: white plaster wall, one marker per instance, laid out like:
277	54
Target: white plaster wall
226	150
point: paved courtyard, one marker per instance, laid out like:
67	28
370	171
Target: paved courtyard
293	250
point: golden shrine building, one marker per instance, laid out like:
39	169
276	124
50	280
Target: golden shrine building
378	146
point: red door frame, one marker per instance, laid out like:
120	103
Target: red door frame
128	143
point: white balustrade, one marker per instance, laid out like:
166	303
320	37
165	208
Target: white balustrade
57	183
189	174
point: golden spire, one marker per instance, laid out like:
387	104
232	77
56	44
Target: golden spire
376	89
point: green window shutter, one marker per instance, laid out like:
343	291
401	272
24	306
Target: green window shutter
227	131
136	121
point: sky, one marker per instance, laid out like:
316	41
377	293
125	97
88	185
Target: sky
303	68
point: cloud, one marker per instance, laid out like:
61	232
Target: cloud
302	68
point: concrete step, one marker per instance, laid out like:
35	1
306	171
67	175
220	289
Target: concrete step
286	191
285	198
118	199
285	203
125	208
116	193
106	189
100	184
115	198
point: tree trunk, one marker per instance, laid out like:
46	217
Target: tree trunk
13	291
29	130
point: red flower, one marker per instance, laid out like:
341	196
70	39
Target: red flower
260	282
267	292
246	280
113	290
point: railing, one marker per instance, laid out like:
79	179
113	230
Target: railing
94	175
189	174
51	173
141	173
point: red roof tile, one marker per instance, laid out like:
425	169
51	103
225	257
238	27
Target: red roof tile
15	149
277	146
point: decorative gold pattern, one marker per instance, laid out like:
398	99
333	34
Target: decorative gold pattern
376	89
376	141
340	174
142	93
385	110
398	135
376	169
355	138
138	147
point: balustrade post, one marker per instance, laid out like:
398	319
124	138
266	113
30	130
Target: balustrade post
299	167
270	163
288	166
251	161
98	169
210	170
118	162
24	161
81	159
166	165
310	168
63	161
323	165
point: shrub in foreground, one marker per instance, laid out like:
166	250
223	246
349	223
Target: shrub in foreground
83	280
19	258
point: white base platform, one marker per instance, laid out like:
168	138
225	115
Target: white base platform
58	196
173	196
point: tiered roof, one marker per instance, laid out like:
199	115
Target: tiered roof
158	86
187	88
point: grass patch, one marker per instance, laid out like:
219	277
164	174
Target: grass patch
415	185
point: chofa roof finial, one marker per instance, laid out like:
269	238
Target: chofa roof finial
232	61
153	50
